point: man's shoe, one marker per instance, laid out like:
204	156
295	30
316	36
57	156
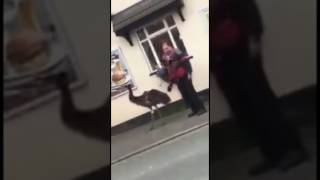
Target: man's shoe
293	159
192	114
201	111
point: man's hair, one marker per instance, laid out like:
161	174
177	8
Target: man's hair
163	42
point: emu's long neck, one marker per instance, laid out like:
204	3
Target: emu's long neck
67	103
130	93
132	98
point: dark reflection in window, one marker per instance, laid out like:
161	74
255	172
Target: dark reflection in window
178	40
141	34
170	21
151	58
152	28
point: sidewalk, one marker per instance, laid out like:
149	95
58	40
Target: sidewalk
141	137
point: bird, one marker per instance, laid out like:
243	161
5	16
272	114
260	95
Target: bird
94	123
149	99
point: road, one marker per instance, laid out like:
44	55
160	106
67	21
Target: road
184	158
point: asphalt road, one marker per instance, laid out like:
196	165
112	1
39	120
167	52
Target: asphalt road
184	158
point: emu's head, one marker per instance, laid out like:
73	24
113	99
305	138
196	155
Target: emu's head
128	86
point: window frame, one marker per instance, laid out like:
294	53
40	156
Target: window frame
149	37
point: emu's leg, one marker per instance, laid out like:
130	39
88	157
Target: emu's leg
159	112
160	115
152	118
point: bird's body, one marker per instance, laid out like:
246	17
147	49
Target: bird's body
149	99
93	123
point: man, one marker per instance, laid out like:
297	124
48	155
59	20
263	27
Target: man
179	73
236	51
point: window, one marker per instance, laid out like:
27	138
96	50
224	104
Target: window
151	36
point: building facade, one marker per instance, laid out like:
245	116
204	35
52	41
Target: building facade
137	29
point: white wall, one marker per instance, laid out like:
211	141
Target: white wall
289	52
37	145
117	6
194	33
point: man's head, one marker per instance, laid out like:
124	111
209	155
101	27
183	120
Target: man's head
167	47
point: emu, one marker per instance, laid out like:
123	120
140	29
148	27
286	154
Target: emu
93	123
150	99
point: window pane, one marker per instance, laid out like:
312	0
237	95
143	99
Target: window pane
152	28
151	58
170	21
141	34
156	42
176	36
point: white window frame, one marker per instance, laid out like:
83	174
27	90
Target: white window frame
149	37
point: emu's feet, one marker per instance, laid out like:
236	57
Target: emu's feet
151	128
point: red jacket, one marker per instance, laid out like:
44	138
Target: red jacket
227	34
177	73
177	68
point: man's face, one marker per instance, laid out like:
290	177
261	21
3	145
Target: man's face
167	49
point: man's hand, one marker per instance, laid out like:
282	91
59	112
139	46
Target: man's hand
189	76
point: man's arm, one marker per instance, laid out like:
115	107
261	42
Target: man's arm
255	25
170	86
